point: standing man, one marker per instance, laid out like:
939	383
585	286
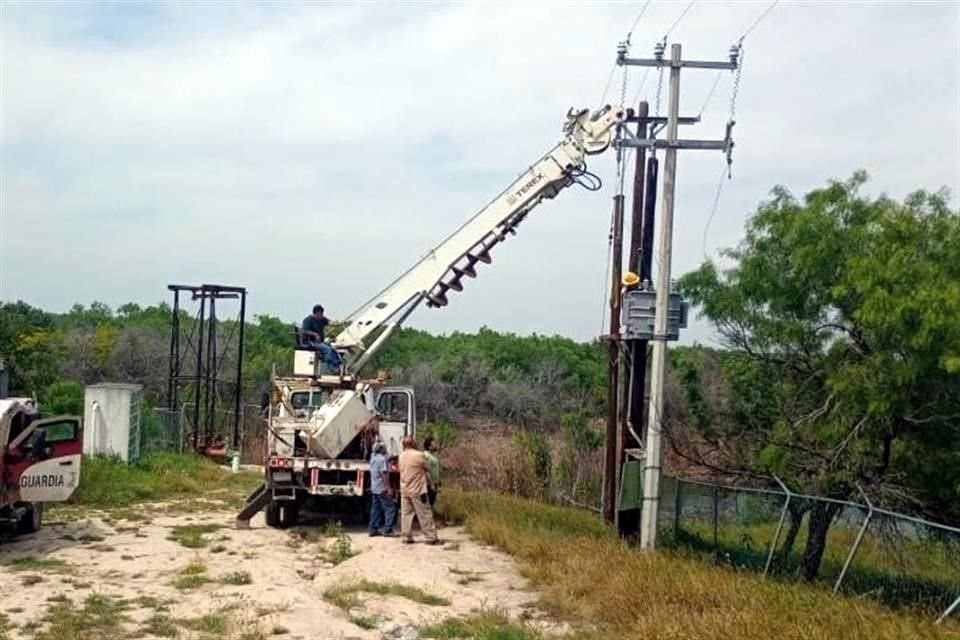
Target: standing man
383	509
430	449
414	479
313	328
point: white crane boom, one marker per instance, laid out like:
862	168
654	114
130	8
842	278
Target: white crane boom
445	266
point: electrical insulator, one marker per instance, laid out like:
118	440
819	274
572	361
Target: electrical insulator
734	54
658	50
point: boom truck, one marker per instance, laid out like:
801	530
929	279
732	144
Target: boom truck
322	425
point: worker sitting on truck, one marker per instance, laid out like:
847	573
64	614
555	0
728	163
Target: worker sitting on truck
313	329
383	510
414	478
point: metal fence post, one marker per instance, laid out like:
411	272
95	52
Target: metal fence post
856	542
949	610
183	411
783	517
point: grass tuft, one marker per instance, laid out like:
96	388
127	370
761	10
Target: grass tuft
194	568
345	596
365	621
33	563
100	617
187	583
487	625
191	536
237	578
214	624
5	627
159	624
340	550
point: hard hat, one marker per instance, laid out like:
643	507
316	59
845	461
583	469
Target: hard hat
630	279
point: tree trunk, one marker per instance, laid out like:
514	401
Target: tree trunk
796	511
821	517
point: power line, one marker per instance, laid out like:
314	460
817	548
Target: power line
713	211
613	69
677	21
716	81
606	88
759	19
636	20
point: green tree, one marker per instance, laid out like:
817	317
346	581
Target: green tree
843	309
64	397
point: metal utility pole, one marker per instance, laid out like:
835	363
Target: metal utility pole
610	460
652	453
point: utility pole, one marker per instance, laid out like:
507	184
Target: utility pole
610	460
652	453
638	351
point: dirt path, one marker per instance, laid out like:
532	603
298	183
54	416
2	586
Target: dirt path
157	587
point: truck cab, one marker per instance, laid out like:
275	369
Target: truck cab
320	436
39	462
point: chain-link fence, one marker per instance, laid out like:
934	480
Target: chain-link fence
849	546
172	430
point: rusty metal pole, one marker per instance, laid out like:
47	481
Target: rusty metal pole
611	442
638	231
631	398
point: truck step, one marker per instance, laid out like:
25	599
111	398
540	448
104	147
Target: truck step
255	503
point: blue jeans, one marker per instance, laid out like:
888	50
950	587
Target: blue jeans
383	513
330	356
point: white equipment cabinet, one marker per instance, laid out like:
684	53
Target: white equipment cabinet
111	417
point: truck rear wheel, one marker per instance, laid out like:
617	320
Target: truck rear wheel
31	520
282	514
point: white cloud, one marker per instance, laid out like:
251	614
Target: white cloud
313	152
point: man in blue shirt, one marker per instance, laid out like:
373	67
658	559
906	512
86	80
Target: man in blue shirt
383	509
313	328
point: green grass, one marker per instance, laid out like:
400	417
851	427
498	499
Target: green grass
188	583
237	578
193	569
364	621
487	625
5	627
340	550
898	571
215	624
345	596
160	625
99	617
466	577
33	563
109	483
588	575
192	535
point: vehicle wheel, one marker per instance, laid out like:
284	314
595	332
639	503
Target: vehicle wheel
272	514
289	514
31	520
282	514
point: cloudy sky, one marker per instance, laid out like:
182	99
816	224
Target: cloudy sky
313	151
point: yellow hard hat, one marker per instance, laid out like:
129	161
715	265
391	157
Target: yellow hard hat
630	279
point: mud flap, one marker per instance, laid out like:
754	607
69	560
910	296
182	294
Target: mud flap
256	501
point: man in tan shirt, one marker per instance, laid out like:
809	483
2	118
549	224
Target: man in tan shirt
414	479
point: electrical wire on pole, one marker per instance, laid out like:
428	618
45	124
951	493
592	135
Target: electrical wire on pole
727	173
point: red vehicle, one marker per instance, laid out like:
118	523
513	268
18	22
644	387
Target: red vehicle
39	462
